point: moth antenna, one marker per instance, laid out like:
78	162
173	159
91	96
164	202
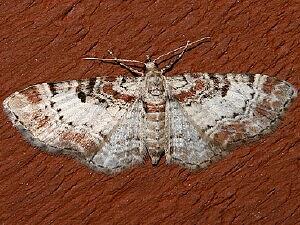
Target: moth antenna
199	41
120	62
113	60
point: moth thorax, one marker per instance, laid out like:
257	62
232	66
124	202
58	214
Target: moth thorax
155	89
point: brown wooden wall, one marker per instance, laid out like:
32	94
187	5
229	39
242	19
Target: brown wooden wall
44	41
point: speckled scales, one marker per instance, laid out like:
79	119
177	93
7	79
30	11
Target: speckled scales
125	145
55	118
232	108
189	146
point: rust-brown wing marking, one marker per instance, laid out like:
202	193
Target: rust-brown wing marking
210	114
83	119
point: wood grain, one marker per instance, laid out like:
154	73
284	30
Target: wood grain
44	41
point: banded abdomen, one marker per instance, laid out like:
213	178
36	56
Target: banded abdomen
155	131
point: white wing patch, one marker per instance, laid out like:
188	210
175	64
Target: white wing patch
189	146
77	117
232	108
125	146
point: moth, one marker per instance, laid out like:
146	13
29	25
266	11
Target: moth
112	123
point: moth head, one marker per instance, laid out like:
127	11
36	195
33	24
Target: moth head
150	65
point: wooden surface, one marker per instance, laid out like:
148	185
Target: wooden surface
44	41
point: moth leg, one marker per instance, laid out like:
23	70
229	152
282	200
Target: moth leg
120	62
179	55
170	65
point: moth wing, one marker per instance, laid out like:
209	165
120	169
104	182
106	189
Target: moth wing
80	118
188	146
125	146
231	109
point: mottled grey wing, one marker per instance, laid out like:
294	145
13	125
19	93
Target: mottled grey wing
83	119
188	145
213	113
